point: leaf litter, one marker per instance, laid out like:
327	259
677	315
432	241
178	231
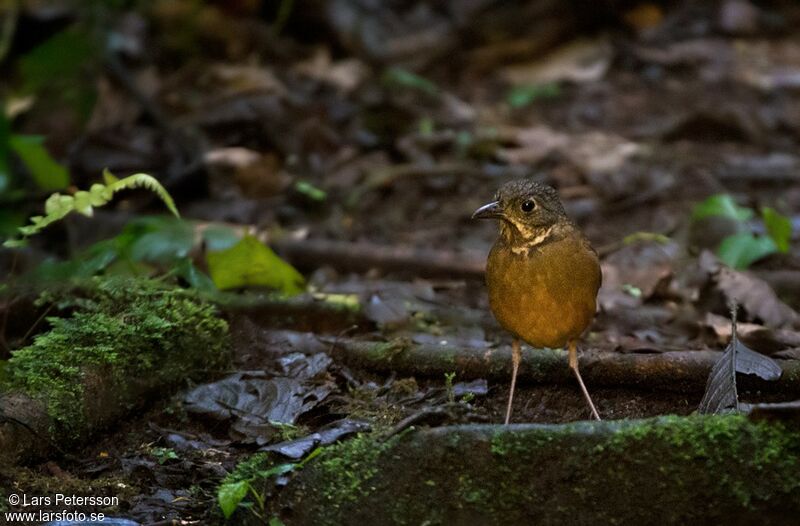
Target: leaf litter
633	131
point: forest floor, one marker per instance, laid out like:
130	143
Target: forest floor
323	134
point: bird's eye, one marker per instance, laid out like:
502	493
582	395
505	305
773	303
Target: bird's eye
528	205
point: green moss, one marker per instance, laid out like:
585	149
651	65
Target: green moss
608	472
727	446
127	331
354	463
387	350
248	469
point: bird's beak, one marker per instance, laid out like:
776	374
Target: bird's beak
491	210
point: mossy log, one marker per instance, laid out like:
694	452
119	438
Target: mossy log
676	371
667	470
122	344
300	313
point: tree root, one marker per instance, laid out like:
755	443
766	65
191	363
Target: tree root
675	371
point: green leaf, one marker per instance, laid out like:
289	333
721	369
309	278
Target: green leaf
46	172
83	203
109	178
99	194
58	59
317	452
217	237
159	239
230	495
779	228
5	167
741	250
521	96
186	270
89	263
280	469
141	180
403	78
275	521
251	263
721	205
10	221
310	191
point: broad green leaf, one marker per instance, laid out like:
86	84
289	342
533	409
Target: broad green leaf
46	172
58	59
249	263
779	228
230	495
521	96
160	239
89	263
218	237
721	205
186	270
741	250
403	78
275	521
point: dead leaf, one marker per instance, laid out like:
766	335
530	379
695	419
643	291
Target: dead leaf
346	75
634	273
324	436
644	16
582	60
755	336
386	312
255	403
238	79
592	152
257	175
720	395
756	297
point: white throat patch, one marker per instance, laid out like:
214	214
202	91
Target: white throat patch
533	238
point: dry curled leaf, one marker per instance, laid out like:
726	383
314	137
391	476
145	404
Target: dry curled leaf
720	395
756	296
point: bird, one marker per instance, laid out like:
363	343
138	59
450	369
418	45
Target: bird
542	274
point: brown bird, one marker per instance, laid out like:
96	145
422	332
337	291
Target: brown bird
542	274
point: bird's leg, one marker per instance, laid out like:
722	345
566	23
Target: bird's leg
573	364
516	357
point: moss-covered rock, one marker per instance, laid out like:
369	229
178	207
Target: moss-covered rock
669	470
123	341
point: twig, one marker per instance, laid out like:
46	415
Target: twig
363	256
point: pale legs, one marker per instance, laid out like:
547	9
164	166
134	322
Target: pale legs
573	364
516	357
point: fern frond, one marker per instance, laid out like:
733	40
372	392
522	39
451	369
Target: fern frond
84	202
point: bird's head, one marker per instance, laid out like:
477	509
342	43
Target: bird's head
530	213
